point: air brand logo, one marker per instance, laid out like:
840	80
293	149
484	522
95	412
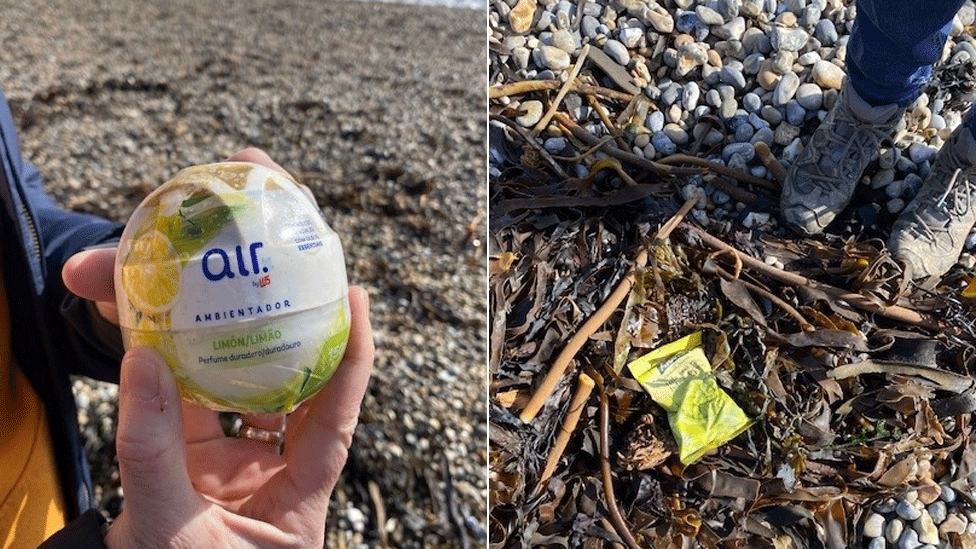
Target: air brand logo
218	264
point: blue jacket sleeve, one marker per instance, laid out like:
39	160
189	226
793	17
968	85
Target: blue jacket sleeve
49	235
94	345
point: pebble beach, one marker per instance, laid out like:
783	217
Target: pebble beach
712	78
379	109
722	76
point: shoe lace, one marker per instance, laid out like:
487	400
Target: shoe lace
953	202
861	139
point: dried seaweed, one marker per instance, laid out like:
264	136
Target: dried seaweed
859	382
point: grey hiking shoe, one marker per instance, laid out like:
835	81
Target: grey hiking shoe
930	233
822	180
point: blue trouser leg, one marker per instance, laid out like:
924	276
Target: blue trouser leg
893	46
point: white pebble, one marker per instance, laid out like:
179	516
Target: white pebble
532	113
927	532
894	529
874	525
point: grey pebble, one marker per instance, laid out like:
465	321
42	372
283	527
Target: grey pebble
630	37
920	152
663	144
913	182
713	99
882	178
758	171
905	164
617	51
792	151
895	188
877	543
670	94
785	39
690	95
908	539
742	149
754	40
727	8
733	77
971	241
808	58
588	26
763	134
826	32
751	102
948	495
886	160
708	16
938	511
785	89
757	121
752	64
555	145
744	133
904	509
795	113
810	96
732	30
894	206
937	122
771	114
785	133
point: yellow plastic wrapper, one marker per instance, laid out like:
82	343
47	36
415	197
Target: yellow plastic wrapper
679	377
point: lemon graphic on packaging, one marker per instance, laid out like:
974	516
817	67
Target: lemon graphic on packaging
151	274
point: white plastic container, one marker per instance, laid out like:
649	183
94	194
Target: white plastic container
230	272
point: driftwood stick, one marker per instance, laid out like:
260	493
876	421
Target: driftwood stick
576	406
618	521
631	158
893	312
770	161
575	343
605	118
719	169
573	73
526	86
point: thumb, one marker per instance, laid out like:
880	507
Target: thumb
159	497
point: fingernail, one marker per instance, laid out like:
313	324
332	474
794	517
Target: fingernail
364	298
140	376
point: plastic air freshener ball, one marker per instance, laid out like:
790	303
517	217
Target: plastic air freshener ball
230	272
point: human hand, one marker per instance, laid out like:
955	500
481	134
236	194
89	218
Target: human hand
89	274
186	485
